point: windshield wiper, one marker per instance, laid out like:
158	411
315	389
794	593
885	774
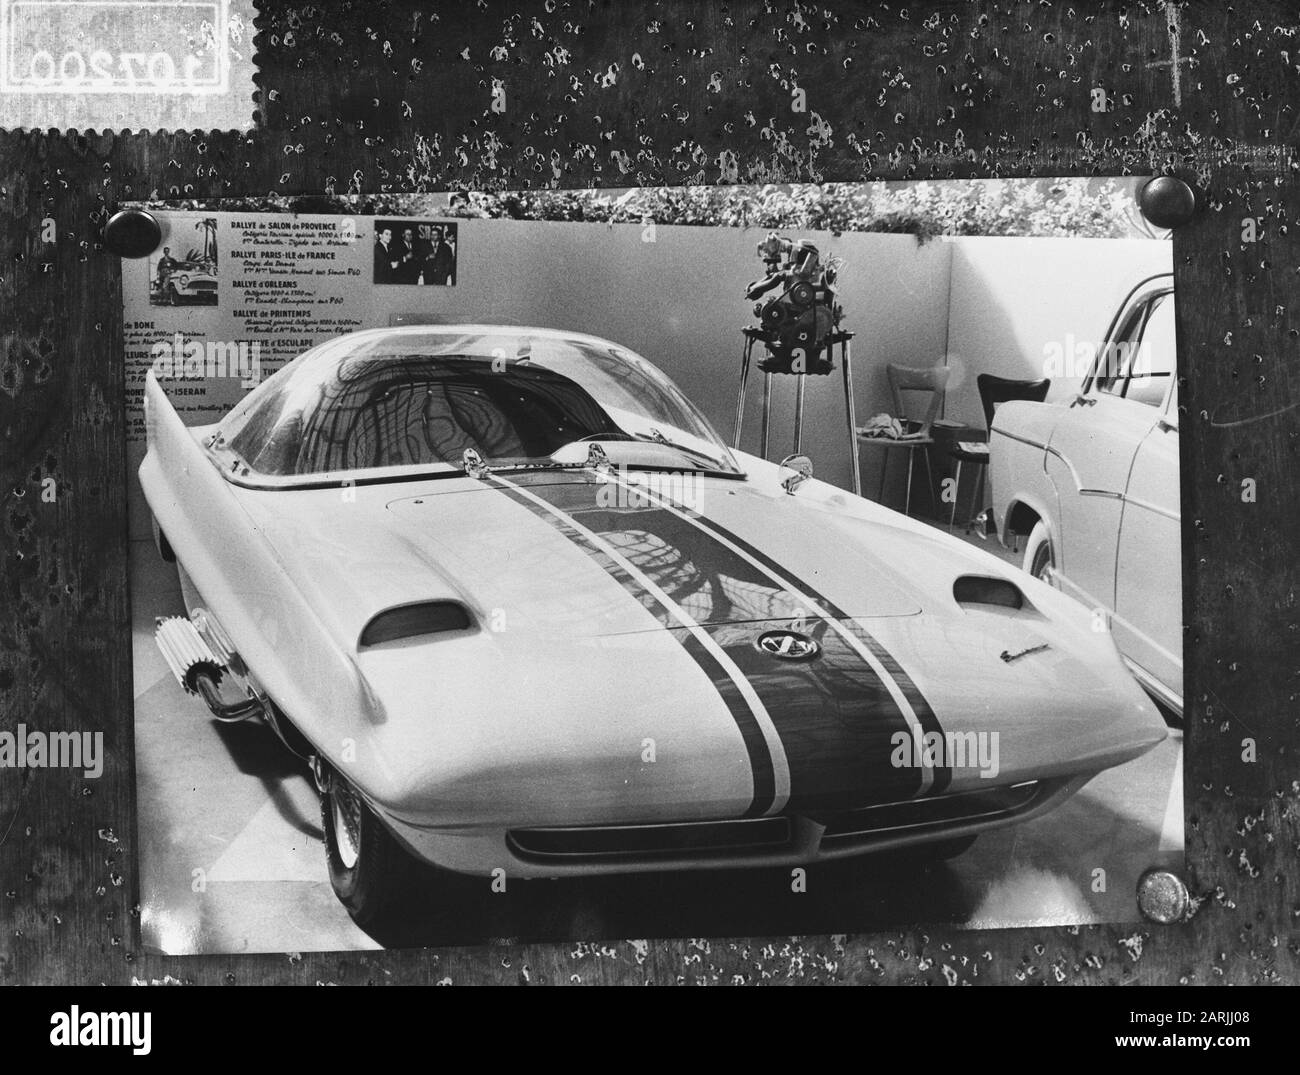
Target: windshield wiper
653	437
475	466
657	437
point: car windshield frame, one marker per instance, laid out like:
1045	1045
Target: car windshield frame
623	398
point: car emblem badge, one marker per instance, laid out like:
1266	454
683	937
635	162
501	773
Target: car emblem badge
788	645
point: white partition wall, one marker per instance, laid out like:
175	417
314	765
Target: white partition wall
1018	302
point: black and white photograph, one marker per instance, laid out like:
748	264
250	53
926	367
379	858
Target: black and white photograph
565	493
186	273
415	252
673	559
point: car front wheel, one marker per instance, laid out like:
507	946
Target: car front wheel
369	871
1040	558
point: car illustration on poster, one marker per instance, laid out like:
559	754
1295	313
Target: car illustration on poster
1091	484
190	278
519	607
189	282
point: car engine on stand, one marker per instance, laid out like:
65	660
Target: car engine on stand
797	320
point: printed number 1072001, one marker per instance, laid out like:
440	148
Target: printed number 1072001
53	47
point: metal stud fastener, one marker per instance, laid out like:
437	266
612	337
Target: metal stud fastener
1162	896
132	233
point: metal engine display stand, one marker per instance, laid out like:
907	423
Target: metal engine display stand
757	335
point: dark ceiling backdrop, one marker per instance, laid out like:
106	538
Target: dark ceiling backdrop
375	97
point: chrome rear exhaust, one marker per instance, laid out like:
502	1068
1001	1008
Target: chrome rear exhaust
186	653
198	669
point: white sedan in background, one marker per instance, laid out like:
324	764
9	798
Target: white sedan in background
1092	482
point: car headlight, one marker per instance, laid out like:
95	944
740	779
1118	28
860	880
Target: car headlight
185	281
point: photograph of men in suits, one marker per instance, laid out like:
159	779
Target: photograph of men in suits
415	252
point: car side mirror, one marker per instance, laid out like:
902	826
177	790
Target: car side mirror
795	470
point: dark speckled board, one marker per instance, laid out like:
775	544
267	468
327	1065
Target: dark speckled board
373	97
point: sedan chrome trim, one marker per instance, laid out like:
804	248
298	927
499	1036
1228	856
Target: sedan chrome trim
1174	515
1083	491
1046	448
1154	687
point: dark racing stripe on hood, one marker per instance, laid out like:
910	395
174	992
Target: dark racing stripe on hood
925	715
760	757
835	714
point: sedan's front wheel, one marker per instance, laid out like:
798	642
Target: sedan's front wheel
1040	558
369	871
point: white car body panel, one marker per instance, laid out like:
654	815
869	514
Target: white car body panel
1101	472
1148	623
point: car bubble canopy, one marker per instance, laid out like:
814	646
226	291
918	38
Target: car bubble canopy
389	403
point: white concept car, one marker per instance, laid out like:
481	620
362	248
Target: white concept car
520	608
